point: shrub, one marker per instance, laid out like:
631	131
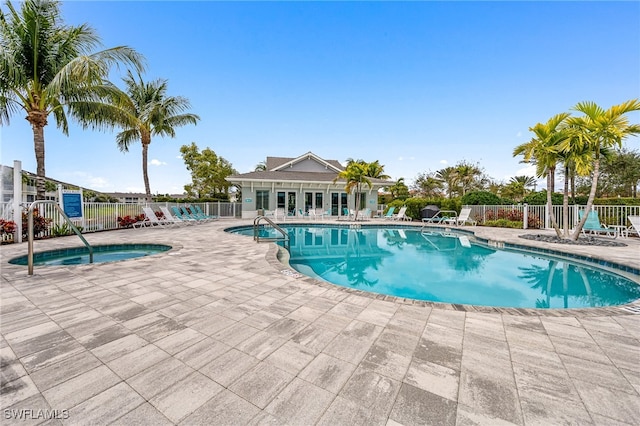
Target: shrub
7	226
128	221
479	198
415	204
504	223
40	224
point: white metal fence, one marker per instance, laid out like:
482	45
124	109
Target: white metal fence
539	215
104	216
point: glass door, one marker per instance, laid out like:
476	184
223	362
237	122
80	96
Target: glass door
291	203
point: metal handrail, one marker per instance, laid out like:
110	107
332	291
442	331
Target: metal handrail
256	233
30	231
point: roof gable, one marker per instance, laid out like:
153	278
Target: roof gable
308	162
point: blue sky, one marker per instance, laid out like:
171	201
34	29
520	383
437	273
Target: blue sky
415	85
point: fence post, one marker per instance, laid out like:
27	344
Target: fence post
17	198
546	216
525	216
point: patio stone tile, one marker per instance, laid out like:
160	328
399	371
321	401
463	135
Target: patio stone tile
434	378
467	416
235	334
16	390
212	324
64	370
157	330
291	357
104	336
226	368
202	353
321	303
145	414
371	390
565	329
126	311
541	408
488	394
386	361
300	403
348	349
91	326
417	406
286	327
345	412
447	354
555	384
105	407
305	314
261	384
80	388
448	319
179	341
581	350
22	337
346	309
139	360
314	337
260	345
23	319
119	347
162	375
399	342
225	408
596	373
58	351
31	411
334	323
609	402
261	319
148	298
327	372
185	396
240	312
633	376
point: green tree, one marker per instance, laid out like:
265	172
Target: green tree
208	172
467	176
356	177
261	167
543	151
449	178
599	129
47	68
399	190
428	185
148	111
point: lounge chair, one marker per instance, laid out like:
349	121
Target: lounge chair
364	214
389	214
179	215
462	219
317	213
635	225
593	225
150	219
200	213
280	213
171	219
402	214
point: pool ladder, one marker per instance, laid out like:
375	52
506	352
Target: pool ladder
30	231
256	231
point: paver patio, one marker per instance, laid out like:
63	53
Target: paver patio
217	332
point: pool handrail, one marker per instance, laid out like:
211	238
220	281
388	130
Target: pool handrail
30	231
256	234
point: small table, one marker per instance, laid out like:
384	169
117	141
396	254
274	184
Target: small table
620	230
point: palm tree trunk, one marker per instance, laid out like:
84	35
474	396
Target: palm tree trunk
552	215
145	174
592	196
38	144
565	204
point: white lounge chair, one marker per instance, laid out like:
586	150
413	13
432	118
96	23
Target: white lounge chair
635	225
168	217
150	219
280	214
463	218
316	214
402	215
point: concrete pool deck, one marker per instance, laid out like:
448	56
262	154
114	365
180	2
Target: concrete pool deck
216	331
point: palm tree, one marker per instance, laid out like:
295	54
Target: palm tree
148	111
355	175
600	130
261	167
448	176
542	150
428	185
376	170
47	67
465	176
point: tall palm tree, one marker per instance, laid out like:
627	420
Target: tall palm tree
47	68
600	130
542	150
376	170
448	176
355	175
147	111
465	176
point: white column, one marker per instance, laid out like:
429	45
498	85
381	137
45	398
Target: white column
17	198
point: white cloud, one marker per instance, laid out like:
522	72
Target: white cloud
519	134
406	158
134	189
87	180
155	162
445	162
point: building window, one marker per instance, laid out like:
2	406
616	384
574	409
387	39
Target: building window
262	200
319	204
281	200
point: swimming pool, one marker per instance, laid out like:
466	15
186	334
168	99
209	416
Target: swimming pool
448	267
101	254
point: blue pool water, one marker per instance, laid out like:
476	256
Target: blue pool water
449	267
101	254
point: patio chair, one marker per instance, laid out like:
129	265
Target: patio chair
150	219
635	225
463	218
280	213
593	225
171	219
200	213
389	214
364	214
402	214
317	213
180	216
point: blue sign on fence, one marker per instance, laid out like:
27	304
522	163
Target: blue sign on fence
72	205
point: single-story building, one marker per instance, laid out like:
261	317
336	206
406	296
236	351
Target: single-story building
302	183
